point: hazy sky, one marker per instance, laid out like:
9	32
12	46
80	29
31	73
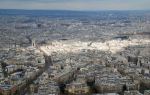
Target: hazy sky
76	4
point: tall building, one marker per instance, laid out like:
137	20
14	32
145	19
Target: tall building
33	43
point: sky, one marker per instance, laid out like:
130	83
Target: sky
76	4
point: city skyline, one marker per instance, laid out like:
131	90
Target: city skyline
76	4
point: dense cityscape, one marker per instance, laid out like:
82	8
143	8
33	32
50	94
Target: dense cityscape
74	53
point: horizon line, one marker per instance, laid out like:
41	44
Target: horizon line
74	10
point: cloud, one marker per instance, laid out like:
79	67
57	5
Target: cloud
76	4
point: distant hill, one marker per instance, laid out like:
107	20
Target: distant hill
66	13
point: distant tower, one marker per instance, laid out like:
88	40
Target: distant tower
33	43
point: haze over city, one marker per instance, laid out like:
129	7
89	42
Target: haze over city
76	4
